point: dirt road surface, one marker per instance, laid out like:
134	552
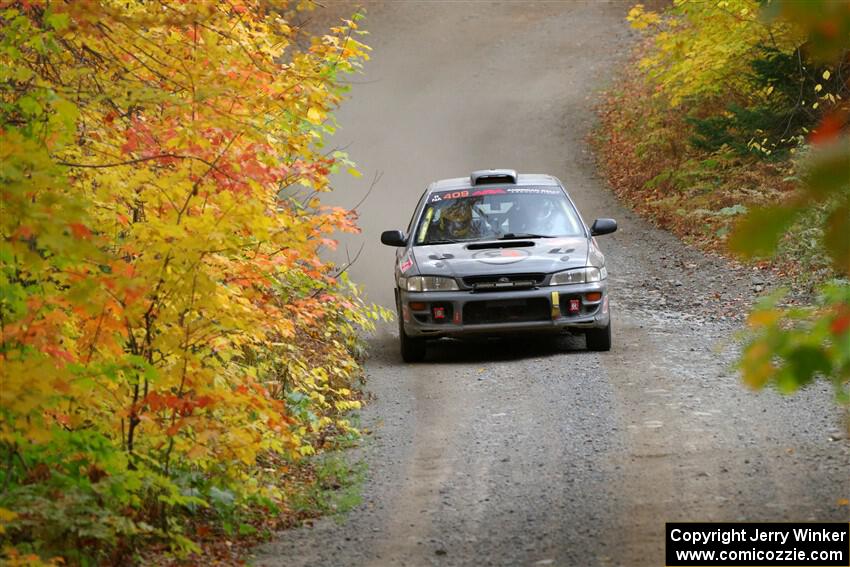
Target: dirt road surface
528	453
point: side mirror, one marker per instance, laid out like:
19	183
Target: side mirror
393	238
603	226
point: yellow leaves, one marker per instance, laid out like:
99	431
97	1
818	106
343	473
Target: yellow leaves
315	115
763	318
196	452
756	365
6	517
346	405
701	48
27	383
826	75
306	450
641	19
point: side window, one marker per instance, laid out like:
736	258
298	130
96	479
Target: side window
428	220
413	217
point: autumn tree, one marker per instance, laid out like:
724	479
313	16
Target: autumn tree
166	316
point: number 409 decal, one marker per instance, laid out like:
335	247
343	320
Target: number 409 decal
449	195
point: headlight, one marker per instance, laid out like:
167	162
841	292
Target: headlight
430	283
581	275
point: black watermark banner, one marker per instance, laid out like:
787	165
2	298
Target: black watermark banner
766	544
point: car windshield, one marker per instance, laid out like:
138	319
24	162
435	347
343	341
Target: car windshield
516	212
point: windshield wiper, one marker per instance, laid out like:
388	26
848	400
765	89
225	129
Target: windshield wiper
442	241
520	235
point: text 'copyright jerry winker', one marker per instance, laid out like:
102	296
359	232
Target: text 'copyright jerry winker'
758	544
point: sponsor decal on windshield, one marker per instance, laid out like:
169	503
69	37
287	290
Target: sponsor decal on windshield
462	194
534	191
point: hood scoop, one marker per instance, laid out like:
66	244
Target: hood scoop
500	244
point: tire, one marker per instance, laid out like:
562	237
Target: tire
599	339
412	349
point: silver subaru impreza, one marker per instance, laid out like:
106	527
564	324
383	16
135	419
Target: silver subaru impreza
499	253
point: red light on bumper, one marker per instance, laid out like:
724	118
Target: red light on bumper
575	305
439	313
593	296
418	306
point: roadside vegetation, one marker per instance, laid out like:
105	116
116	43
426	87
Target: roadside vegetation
729	126
173	345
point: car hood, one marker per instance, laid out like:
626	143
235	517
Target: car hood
541	255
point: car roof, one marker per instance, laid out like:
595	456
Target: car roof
523	180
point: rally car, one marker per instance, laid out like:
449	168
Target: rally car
498	253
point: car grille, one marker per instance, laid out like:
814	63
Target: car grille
506	311
503	282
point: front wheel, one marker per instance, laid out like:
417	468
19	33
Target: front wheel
412	349
599	339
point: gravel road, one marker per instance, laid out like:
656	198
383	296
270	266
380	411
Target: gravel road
539	453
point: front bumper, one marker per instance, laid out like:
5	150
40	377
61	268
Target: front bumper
545	309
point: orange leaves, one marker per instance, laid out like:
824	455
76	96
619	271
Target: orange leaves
756	365
23	232
41	328
58	353
829	128
79	230
183	405
841	322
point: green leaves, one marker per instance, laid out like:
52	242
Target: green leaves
804	363
791	347
829	173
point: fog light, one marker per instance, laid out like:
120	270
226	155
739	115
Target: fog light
593	296
418	306
439	313
575	305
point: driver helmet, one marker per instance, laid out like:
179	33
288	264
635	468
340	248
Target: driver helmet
457	218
